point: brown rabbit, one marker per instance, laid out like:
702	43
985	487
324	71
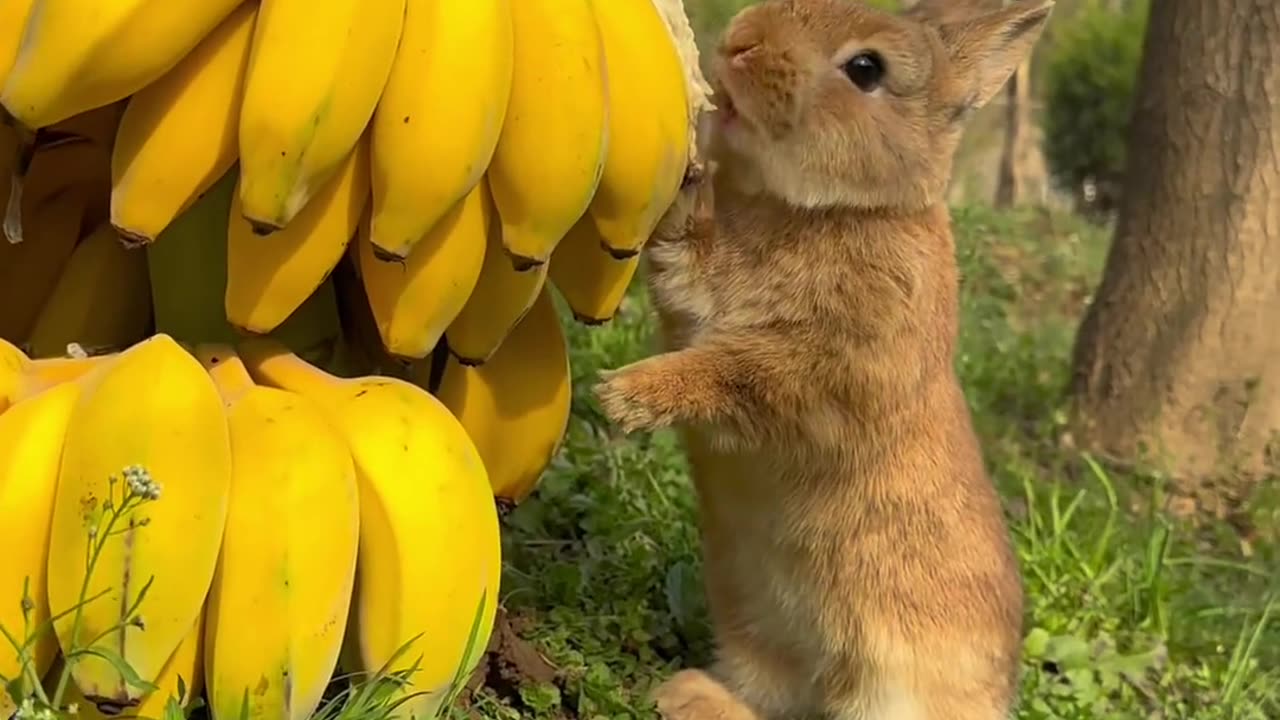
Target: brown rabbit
857	563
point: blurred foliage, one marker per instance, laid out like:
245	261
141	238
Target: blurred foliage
1091	72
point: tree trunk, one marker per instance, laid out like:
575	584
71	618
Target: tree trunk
1177	361
1012	184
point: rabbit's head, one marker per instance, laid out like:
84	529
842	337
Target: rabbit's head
830	103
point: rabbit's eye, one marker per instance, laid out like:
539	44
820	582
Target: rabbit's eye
865	70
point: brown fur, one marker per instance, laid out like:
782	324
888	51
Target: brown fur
857	562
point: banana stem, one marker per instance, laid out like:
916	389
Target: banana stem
270	362
44	373
25	151
227	370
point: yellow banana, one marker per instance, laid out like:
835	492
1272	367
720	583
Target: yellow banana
268	278
185	665
551	150
188	269
152	406
29	270
592	281
515	407
77	55
697	90
97	125
500	298
315	73
429	553
75	153
102	301
442	109
31	438
648	124
13	20
179	135
279	601
22	377
414	300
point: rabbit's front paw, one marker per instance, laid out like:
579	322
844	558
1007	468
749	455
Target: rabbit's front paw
630	398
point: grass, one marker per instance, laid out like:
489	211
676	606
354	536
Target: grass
1130	613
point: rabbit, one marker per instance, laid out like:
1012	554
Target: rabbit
857	561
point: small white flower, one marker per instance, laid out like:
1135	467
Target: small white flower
140	482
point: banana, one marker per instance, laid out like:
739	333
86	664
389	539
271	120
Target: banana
648	123
22	377
13	20
74	153
185	665
98	125
430	556
76	55
102	301
442	109
361	351
414	300
268	278
500	298
697	90
58	196
551	151
591	280
278	605
188	270
153	406
515	407
315	73
31	439
179	135
29	270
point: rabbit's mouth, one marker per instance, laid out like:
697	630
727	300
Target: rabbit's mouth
728	111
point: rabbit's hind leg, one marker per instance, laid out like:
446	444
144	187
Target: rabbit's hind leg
695	695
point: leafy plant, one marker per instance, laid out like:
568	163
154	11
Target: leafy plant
104	522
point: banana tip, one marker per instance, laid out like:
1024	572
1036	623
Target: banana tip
590	320
383	255
619	253
467	361
132	239
262	229
523	263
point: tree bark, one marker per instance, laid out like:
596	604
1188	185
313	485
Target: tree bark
1177	361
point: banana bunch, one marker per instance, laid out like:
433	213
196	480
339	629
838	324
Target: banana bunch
294	512
299	261
209	175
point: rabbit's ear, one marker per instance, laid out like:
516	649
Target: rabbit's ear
987	48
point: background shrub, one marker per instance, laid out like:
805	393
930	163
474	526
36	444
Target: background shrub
1091	72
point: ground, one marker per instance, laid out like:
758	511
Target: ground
1132	612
